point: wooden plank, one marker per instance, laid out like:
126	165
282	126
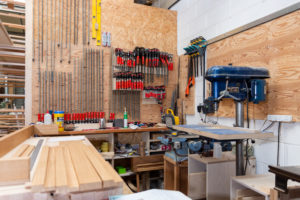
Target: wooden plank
105	131
4	37
11	110
73	184
117	179
12	54
12	64
12	119
197	185
21	150
13	96
39	177
12	15
28	151
12	126
50	174
12	79
100	167
10	141
17	26
61	181
14	170
88	178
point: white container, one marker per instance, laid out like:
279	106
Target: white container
47	119
217	150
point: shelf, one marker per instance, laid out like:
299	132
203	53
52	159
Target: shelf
154	140
158	150
129	173
124	156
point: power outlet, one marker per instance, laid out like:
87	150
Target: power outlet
280	118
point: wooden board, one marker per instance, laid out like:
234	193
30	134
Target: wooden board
145	26
21	150
28	151
39	177
10	141
248	134
14	170
273	45
86	174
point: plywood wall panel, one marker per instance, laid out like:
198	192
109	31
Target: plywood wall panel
130	25
274	45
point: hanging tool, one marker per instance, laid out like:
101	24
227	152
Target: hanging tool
61	31
59	25
77	21
42	31
67	25
74	22
191	78
83	21
70	31
51	38
33	17
89	21
54	44
46	36
102	78
94	20
65	92
98	24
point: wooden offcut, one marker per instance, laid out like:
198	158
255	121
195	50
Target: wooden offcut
10	141
14	170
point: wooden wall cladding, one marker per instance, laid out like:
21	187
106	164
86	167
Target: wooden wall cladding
130	25
134	25
274	45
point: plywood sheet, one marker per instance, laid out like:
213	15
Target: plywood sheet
274	45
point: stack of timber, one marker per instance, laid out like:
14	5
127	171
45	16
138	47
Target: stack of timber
73	166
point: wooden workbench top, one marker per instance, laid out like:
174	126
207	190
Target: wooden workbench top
105	131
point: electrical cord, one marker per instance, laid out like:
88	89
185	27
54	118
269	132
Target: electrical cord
278	142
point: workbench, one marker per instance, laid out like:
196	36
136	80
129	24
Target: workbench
105	131
26	171
218	132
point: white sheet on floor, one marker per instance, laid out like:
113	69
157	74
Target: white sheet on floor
154	194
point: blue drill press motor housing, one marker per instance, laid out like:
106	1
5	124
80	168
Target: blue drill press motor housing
238	83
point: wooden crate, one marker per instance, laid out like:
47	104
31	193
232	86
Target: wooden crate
175	175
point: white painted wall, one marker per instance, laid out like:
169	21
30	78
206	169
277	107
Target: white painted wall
210	18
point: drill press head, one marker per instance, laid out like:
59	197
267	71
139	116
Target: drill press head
238	83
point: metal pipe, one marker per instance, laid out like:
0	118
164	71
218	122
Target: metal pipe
239	113
239	122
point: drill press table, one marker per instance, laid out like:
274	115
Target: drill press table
218	132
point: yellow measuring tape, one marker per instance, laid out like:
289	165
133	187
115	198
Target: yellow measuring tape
98	26
94	20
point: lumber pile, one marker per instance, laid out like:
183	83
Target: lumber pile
73	166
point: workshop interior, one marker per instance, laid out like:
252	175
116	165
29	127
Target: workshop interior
149	99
